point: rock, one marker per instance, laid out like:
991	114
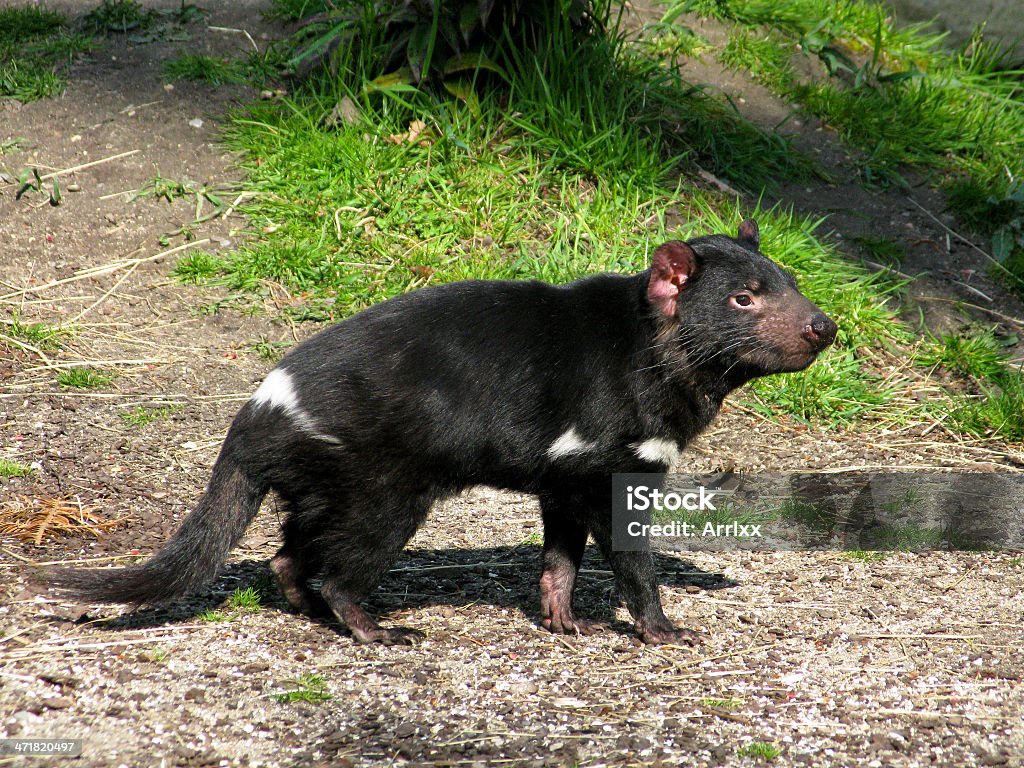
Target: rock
405	730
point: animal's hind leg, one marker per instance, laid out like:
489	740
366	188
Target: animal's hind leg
565	538
293	568
358	548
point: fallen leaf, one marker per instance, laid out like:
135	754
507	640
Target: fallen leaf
417	134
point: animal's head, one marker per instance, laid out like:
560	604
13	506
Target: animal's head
730	309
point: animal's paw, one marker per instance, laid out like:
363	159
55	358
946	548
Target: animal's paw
668	635
565	623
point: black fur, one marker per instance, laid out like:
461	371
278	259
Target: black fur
474	383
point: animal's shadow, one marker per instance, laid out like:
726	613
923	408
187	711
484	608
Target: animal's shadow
502	577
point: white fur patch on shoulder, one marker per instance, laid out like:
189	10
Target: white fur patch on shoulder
658	449
278	391
568	443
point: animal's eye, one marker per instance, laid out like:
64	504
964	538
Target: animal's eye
742	300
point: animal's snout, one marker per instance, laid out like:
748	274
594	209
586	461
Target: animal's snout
820	330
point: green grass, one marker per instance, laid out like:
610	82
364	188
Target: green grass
27	23
83	378
142	415
865	556
11	146
674	42
978	354
35	47
726	704
206	200
271	351
214	616
11	468
198	265
996	407
161	188
837	390
764	56
122	16
310	688
39	336
246	600
997	412
207	69
25	84
915	538
293	10
156	655
760	750
805	513
885	251
900	96
241	601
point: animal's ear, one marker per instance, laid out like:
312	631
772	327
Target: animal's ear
749	235
672	266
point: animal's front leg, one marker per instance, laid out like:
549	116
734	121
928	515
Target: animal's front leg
638	586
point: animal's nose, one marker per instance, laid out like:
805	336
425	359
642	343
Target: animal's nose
820	330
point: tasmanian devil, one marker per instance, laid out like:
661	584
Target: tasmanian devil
521	385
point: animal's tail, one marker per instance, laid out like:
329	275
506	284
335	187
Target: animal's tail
193	555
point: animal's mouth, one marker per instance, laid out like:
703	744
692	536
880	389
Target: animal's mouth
798	362
780	360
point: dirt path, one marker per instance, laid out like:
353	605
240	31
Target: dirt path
911	660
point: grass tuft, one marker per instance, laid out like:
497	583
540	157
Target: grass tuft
34	47
214	616
866	556
979	355
997	412
726	704
271	351
761	750
203	68
26	84
83	378
122	16
36	335
26	23
143	415
310	688
248	600
10	468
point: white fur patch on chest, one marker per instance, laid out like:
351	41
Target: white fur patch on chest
278	391
568	443
660	450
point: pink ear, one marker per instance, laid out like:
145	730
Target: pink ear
672	265
749	235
